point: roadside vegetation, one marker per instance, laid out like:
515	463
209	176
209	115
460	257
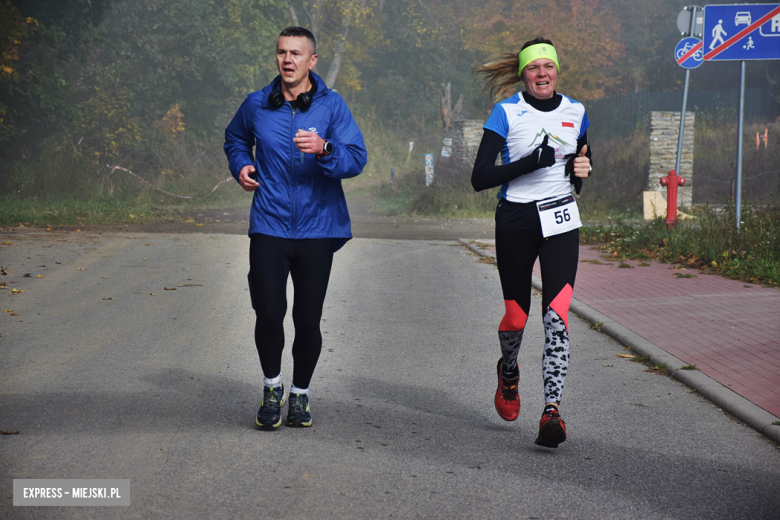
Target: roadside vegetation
708	242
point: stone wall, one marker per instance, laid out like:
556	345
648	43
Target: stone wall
466	135
664	129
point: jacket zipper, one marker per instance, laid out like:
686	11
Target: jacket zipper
293	176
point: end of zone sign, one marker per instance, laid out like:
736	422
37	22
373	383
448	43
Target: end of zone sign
741	32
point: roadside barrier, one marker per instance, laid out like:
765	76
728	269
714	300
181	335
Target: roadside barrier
114	168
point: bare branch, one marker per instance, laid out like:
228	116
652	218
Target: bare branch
293	15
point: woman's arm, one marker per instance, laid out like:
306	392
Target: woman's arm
487	175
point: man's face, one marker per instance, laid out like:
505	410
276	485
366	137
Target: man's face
294	58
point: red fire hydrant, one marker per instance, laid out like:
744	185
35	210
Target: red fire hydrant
671	182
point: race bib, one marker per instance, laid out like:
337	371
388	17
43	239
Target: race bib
558	215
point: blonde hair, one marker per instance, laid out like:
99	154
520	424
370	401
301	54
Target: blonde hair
501	74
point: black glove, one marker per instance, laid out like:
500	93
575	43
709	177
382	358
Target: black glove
569	172
542	157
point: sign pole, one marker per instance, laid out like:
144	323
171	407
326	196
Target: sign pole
738	199
684	106
682	122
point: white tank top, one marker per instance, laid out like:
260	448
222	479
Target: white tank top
524	127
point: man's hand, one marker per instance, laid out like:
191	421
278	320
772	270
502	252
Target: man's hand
244	179
582	163
309	142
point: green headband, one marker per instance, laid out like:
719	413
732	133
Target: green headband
535	52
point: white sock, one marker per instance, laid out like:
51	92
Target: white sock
300	391
274	382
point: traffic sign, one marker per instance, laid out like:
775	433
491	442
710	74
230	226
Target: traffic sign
691	13
742	32
428	169
688	53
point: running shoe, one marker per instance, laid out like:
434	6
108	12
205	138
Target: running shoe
270	415
507	400
298	415
552	429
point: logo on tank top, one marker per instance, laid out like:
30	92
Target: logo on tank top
552	139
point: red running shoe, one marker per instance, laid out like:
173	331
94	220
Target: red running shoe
552	429
507	401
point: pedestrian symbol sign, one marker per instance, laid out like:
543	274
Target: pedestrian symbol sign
741	32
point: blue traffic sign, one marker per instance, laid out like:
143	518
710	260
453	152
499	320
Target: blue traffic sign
742	32
688	53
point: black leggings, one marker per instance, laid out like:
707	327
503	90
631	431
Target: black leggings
516	253
308	261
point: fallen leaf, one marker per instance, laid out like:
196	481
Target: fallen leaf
3	284
144	259
81	269
147	244
109	298
198	225
27	275
199	284
3	270
17	291
626	356
13	314
8	310
608	365
57	262
170	288
39	276
9	432
153	294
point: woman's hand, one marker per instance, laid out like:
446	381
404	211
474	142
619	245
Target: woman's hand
582	163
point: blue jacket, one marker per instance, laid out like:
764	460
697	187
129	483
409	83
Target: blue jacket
299	195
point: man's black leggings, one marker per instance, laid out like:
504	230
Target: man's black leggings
308	261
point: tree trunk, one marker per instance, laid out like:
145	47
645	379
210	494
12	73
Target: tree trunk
448	113
346	23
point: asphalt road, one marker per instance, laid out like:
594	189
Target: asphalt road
133	358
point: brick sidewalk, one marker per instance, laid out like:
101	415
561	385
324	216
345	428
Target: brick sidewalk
729	329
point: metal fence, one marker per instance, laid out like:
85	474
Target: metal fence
625	114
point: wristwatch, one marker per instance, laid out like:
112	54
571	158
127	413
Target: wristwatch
327	148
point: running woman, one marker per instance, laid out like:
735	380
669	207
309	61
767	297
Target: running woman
543	141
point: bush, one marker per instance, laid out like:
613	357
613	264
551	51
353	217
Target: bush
710	242
450	195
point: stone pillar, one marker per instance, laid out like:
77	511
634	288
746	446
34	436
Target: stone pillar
466	135
664	129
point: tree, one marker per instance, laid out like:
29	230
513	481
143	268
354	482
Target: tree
203	55
585	37
331	22
41	40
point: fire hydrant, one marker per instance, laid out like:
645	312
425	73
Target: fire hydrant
671	182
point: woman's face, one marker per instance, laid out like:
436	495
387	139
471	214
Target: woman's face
540	77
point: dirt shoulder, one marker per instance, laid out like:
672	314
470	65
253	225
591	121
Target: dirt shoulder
364	224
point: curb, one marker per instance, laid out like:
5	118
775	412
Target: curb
746	411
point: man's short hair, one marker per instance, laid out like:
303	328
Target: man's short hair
301	32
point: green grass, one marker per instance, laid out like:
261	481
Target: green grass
709	243
72	212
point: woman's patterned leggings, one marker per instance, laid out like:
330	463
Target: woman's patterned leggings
516	251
